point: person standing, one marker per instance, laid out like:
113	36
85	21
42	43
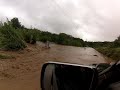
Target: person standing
47	44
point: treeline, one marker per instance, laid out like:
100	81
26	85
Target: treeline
112	44
99	44
14	36
61	38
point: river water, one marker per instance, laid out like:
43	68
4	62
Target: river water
35	60
75	55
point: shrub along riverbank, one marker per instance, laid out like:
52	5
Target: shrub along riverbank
14	36
109	49
113	53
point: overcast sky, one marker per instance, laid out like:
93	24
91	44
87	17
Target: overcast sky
91	20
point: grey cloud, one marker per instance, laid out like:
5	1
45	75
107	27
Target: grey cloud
61	16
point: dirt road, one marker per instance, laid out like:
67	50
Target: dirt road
23	72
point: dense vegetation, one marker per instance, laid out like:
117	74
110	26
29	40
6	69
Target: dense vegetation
110	49
113	53
14	36
9	38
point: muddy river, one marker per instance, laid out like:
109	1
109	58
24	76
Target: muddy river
23	72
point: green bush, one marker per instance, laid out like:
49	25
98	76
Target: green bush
10	39
30	36
13	36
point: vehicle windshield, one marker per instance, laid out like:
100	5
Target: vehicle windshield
33	32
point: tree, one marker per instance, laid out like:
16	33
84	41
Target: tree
117	42
118	39
15	23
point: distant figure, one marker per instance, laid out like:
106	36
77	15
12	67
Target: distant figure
47	44
84	48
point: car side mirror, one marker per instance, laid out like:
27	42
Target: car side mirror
64	76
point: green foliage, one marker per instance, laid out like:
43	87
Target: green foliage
15	23
118	39
113	44
13	36
9	38
116	43
65	39
29	35
5	56
110	49
99	44
61	38
113	53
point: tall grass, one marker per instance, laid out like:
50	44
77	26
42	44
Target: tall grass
9	38
5	56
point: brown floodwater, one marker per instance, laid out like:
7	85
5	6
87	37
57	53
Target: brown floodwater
23	73
76	55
